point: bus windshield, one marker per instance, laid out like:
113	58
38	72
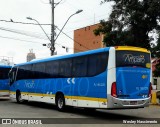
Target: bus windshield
132	58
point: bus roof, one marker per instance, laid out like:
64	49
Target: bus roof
5	66
131	48
66	56
85	53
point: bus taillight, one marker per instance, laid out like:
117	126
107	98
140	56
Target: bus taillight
114	90
150	89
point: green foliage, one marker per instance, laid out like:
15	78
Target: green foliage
156	51
130	23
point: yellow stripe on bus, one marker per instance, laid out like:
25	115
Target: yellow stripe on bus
12	92
86	98
132	48
38	94
4	90
68	97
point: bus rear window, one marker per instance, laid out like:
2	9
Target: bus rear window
132	58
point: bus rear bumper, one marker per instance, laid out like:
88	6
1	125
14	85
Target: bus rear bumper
127	103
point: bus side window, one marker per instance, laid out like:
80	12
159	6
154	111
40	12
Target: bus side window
28	72
38	70
20	73
103	64
52	69
2	73
65	68
92	65
79	68
97	63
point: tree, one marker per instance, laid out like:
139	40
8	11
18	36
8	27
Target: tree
156	73
156	51
130	23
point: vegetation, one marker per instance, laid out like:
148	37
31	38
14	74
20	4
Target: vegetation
156	50
130	23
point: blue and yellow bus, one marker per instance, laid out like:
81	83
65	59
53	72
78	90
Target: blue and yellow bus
4	80
109	78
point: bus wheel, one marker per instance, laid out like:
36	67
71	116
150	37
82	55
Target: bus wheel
19	97
60	102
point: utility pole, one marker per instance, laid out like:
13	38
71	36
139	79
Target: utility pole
52	48
52	28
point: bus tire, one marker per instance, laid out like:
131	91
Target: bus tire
60	102
19	97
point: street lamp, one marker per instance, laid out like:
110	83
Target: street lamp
40	26
77	12
52	42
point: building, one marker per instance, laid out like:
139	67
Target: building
84	39
30	55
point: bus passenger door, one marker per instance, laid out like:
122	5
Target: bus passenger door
11	75
12	78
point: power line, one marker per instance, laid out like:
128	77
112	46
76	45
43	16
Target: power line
88	19
58	3
22	22
68	47
44	2
24	40
29	32
73	39
73	6
20	32
14	31
19	39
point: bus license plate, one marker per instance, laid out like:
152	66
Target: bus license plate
133	102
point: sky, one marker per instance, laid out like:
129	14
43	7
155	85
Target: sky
16	39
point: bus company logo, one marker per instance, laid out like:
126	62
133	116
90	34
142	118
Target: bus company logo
21	121
6	121
134	59
29	84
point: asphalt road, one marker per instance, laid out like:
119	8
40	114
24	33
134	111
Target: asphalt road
77	116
